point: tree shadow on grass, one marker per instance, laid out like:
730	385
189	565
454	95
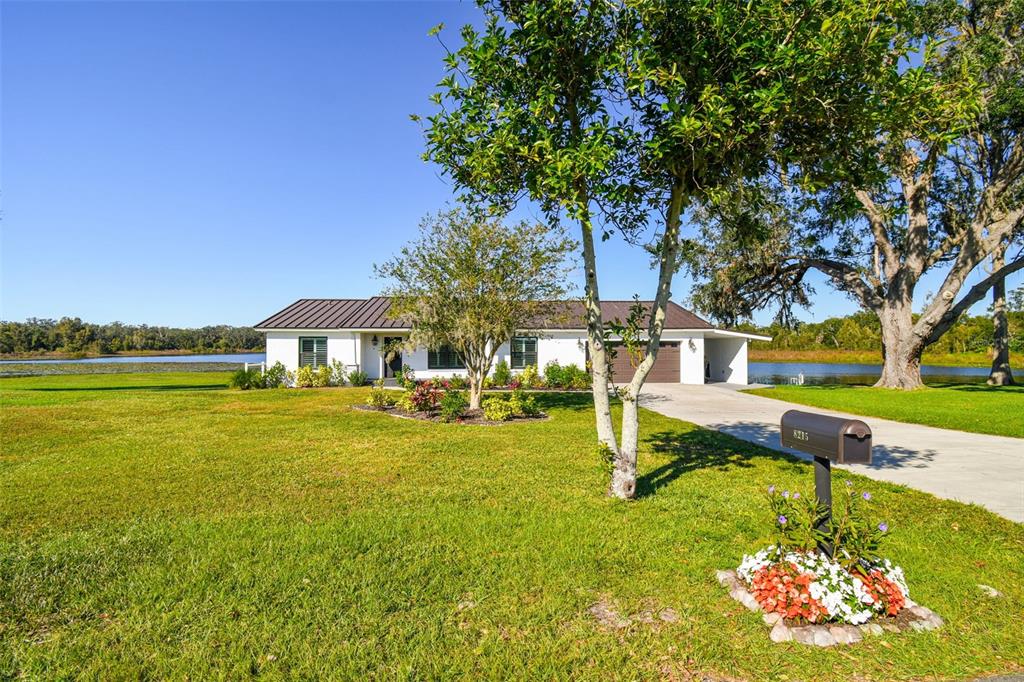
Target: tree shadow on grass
702	449
576	402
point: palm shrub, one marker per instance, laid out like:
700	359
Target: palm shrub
357	377
244	379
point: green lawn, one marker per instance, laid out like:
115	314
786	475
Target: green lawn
977	408
162	526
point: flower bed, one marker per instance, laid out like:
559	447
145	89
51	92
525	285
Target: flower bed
441	400
810	596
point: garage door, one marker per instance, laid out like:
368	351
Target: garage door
665	370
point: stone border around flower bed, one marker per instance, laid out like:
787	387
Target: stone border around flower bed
825	634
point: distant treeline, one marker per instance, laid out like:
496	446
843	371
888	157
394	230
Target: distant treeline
72	336
861	331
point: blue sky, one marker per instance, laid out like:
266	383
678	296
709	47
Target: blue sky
191	163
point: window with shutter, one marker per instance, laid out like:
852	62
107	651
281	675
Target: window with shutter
524	351
444	357
312	351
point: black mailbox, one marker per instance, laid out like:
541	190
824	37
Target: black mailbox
845	441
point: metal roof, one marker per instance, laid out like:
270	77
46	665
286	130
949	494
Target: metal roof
371	313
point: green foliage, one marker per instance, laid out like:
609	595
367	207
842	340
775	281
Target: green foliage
305	376
277	376
245	379
458	382
321	376
796	520
566	376
406	379
381	397
529	378
338	373
453	405
522	404
498	409
470	280
357	377
502	374
424	396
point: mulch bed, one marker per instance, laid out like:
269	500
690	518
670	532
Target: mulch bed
475	417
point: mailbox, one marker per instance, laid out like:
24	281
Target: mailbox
845	441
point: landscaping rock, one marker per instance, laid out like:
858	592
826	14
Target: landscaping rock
781	633
822	637
771	618
872	629
727	579
845	634
804	634
990	591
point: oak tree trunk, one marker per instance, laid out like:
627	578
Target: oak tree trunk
1000	375
901	348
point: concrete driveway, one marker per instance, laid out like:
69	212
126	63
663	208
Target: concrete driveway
969	467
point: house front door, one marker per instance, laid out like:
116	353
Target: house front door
392	356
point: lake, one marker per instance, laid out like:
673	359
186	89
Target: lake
852	373
116	359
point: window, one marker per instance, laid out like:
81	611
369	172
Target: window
312	351
524	351
444	358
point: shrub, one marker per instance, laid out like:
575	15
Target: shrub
554	375
304	376
380	397
498	409
406	378
440	382
502	374
523	405
277	376
577	378
322	376
337	373
529	378
357	377
245	379
424	397
458	382
453	405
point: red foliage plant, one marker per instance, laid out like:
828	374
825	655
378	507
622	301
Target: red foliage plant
781	588
884	591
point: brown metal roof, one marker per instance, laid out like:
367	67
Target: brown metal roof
371	313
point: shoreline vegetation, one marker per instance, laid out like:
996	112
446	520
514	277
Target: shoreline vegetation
867	357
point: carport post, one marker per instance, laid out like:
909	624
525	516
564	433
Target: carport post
823	491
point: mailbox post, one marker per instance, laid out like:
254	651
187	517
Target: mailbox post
829	439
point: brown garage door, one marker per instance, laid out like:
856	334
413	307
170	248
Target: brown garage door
665	370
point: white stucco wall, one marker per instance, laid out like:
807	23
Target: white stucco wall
728	359
728	356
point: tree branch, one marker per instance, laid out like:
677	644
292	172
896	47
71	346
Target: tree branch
975	294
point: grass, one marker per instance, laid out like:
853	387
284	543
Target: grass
15	369
976	408
868	357
162	526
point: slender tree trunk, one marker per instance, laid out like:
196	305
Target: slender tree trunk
901	347
596	343
623	483
1000	375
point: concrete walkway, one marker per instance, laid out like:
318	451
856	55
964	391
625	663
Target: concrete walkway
969	467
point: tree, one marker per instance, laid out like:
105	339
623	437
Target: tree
622	116
471	281
941	184
1000	374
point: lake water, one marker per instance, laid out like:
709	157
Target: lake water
117	359
851	373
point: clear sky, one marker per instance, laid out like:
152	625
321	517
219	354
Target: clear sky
191	163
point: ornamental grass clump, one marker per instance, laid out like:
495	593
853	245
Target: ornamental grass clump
796	579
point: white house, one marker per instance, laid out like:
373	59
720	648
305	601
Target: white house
316	331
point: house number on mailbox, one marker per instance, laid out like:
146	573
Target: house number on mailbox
800	435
